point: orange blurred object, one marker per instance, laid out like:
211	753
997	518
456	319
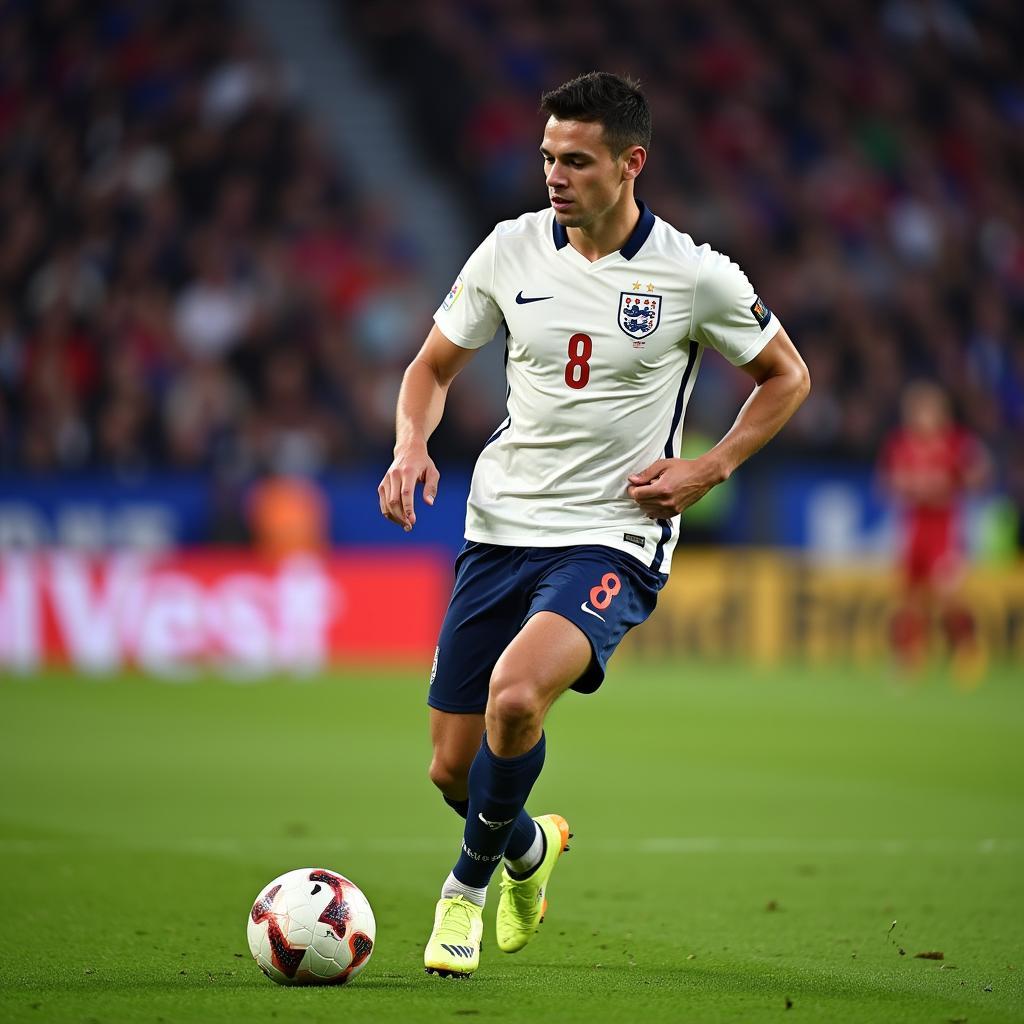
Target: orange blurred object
288	515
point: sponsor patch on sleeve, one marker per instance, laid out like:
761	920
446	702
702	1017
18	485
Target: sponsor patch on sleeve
762	314
452	296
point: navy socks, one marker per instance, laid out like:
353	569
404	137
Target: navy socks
498	790
524	830
460	807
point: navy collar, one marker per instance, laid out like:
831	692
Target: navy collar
634	243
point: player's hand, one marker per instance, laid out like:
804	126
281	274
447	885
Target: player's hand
670	486
397	490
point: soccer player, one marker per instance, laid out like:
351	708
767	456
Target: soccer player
574	507
927	466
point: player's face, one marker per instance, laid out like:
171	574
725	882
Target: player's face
925	409
584	179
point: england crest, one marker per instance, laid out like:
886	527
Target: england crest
639	314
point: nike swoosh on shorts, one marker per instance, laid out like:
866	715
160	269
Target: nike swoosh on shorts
590	611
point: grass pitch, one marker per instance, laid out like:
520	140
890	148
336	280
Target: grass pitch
744	843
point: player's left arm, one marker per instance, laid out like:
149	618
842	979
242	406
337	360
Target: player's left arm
781	383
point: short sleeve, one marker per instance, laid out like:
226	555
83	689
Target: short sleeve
728	315
469	316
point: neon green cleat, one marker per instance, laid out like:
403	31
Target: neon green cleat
453	950
523	904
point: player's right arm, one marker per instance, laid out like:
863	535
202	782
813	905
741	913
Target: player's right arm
420	407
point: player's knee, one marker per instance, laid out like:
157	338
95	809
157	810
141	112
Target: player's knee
513	703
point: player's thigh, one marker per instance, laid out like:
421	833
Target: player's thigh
546	657
604	593
486	610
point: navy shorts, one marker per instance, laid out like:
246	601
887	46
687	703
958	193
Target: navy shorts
602	590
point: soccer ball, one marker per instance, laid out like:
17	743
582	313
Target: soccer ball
311	927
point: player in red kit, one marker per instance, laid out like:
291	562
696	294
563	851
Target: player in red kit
927	466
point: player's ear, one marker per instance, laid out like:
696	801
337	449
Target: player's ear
635	158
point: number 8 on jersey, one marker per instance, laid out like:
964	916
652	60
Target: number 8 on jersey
577	370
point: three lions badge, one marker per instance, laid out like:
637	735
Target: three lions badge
639	315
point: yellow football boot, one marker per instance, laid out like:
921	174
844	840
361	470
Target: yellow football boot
523	903
453	950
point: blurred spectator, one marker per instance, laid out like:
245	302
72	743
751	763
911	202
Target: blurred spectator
203	406
126	435
213	310
288	433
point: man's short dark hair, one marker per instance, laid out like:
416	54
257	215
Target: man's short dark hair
614	101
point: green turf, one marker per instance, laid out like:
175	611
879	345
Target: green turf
743	841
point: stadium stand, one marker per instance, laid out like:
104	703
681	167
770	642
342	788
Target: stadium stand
190	280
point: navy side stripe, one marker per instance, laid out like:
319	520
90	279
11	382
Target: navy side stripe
666	524
501	430
678	413
508	394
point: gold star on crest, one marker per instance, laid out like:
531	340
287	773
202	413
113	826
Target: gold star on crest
636	285
650	287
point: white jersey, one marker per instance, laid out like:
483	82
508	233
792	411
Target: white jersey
601	358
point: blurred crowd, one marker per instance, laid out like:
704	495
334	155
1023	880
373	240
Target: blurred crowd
861	160
189	280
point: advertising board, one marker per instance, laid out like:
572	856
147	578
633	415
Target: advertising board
219	610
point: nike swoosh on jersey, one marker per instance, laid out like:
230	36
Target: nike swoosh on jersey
590	611
522	300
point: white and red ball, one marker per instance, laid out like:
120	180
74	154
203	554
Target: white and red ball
311	926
